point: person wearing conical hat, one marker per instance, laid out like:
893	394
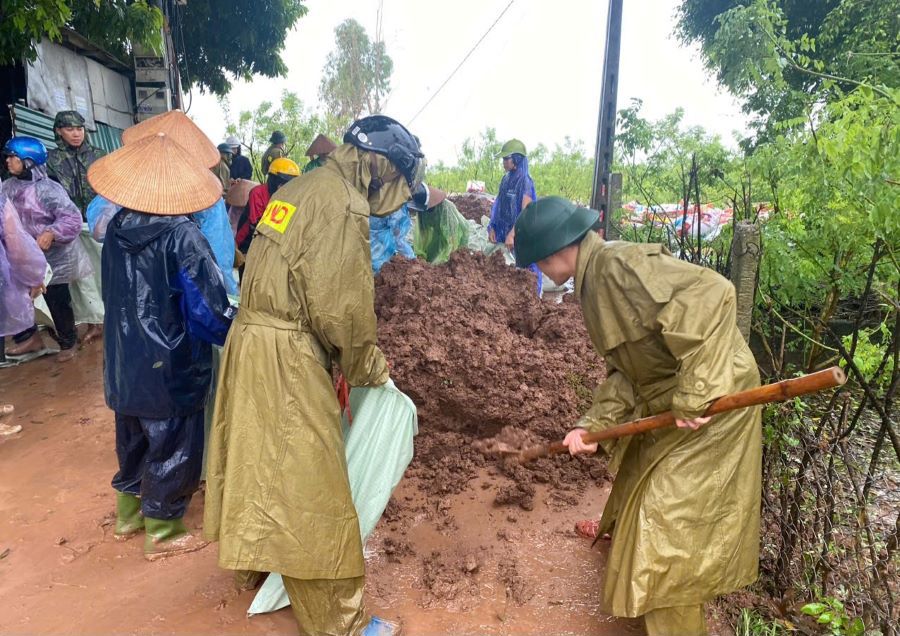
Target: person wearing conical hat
684	507
318	150
440	229
277	490
166	304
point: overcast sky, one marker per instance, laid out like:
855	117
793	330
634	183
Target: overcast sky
536	76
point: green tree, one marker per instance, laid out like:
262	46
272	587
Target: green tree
772	53
213	39
299	124
112	24
237	38
357	74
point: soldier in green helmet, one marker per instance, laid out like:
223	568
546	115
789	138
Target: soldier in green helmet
684	508
68	164
275	151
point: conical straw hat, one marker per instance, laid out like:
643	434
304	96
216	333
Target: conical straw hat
321	145
155	175
180	128
239	192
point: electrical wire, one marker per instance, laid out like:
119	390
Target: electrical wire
459	66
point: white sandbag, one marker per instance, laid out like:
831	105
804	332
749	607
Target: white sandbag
379	447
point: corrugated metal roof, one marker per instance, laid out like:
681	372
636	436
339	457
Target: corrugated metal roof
34	123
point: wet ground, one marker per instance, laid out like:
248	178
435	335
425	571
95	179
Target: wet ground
453	563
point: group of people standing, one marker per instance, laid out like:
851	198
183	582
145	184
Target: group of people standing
683	512
51	193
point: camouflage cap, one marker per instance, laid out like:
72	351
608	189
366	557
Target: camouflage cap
68	118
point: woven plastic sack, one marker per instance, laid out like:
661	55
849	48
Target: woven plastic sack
87	299
379	447
389	235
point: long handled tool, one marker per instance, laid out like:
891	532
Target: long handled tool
777	392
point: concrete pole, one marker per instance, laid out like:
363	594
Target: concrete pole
745	255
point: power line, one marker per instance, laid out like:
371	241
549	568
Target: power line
459	66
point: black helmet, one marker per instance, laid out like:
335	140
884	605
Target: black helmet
388	137
277	137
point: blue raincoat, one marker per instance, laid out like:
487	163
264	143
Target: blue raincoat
165	303
214	225
514	186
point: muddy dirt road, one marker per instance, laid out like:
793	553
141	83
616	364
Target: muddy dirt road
451	563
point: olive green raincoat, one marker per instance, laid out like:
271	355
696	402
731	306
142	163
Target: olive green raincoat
685	504
278	495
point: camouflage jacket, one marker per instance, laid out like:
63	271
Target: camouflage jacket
69	166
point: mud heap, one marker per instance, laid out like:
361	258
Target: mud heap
481	357
472	206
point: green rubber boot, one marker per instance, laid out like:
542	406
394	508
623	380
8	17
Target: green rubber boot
167	538
129	520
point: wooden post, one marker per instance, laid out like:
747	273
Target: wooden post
745	255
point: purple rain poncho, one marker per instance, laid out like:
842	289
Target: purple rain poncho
508	204
44	205
22	267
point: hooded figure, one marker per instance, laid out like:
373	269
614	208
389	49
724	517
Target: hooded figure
52	219
166	305
684	507
278	496
515	193
22	269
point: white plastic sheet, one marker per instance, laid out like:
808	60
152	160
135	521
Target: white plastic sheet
379	447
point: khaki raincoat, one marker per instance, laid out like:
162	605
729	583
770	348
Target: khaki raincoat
278	495
685	504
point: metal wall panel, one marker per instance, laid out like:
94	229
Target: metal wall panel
58	80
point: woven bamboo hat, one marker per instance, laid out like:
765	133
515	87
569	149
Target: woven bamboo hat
239	192
180	128
155	175
321	145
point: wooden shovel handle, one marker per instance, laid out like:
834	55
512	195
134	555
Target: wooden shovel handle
777	392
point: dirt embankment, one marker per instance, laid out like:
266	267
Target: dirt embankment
483	357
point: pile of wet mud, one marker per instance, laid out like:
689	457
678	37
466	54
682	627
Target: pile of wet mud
472	206
482	357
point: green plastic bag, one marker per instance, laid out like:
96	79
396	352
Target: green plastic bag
379	447
439	232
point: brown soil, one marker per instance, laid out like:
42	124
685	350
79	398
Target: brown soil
484	358
473	206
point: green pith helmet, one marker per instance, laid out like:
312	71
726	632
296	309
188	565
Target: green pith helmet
548	225
513	147
68	119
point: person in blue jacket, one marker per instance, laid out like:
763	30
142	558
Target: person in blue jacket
165	305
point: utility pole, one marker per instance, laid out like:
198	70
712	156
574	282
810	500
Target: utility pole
606	126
